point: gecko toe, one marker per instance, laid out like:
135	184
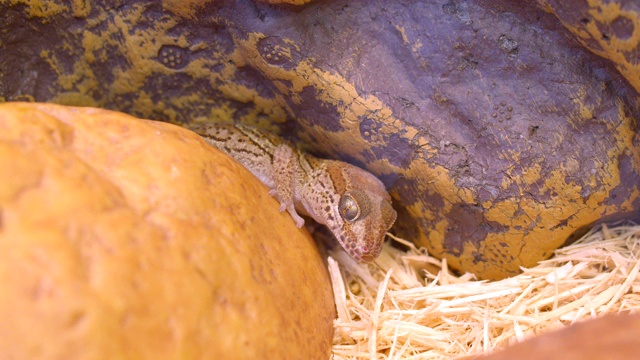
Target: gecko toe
299	220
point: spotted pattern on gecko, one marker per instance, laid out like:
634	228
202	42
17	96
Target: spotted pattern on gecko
351	202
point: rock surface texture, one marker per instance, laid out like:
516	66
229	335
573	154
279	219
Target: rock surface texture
607	338
123	238
500	136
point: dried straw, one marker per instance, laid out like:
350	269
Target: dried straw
397	308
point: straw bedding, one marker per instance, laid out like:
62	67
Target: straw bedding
408	305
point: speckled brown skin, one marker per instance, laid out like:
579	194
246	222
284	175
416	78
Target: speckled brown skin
498	135
351	202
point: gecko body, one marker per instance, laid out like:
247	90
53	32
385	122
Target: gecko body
352	203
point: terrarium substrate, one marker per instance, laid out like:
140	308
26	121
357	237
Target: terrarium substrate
408	305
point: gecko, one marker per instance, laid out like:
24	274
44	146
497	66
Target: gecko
351	202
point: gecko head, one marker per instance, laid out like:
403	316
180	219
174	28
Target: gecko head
363	214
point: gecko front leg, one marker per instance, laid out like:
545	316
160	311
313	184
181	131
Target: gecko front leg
285	170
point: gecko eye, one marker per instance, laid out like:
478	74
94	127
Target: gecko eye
354	205
349	209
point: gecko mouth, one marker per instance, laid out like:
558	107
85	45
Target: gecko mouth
366	255
361	249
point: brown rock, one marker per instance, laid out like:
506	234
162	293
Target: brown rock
611	337
127	238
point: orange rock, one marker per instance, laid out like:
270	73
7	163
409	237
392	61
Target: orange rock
128	238
609	337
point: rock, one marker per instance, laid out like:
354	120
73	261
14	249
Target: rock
127	238
607	28
609	337
499	137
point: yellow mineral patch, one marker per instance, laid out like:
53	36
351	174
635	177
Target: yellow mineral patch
73	98
432	240
332	89
626	132
530	175
403	33
415	46
513	212
559	211
619	50
142	49
184	8
551	205
40	9
607	13
585	111
81	8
